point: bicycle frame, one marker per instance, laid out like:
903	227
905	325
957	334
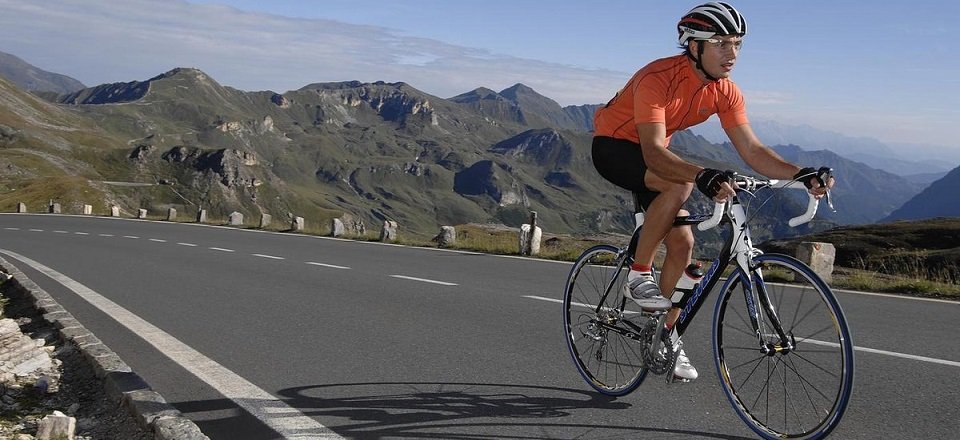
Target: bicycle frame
738	246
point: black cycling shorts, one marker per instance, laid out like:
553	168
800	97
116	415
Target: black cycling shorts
621	162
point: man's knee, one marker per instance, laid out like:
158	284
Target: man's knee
677	192
680	241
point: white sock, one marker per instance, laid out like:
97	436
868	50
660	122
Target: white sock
634	274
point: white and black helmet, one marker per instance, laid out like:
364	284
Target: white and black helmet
709	19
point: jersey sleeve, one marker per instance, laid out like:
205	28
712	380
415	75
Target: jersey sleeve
731	108
650	100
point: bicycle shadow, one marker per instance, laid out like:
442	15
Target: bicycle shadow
462	411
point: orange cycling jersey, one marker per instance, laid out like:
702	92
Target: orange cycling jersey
669	91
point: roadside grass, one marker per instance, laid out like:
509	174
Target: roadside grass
915	283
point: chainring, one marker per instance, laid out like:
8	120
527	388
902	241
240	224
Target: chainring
661	361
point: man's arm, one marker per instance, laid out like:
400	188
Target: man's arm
760	157
659	159
766	161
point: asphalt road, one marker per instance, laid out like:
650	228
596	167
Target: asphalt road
258	335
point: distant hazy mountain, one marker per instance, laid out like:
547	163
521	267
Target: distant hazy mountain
940	199
901	160
862	194
33	79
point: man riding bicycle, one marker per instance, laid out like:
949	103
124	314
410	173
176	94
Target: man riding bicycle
632	136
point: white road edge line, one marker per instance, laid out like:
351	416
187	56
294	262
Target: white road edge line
443	283
889	353
287	421
327	265
816	342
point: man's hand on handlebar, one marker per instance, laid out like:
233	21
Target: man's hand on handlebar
817	181
715	184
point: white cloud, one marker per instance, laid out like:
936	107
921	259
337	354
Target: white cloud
100	41
767	97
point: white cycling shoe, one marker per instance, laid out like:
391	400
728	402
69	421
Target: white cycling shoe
684	369
645	292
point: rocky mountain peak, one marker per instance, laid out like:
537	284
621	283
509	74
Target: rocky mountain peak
478	94
392	101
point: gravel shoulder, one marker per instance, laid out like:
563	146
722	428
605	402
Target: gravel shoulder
107	399
80	393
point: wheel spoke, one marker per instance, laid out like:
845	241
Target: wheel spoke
606	358
800	392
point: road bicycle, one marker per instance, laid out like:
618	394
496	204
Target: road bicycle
781	344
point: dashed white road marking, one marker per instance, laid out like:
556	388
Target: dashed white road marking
130	236
816	342
60	232
287	421
272	257
540	298
187	244
106	235
35	230
444	283
12	229
221	249
82	233
334	266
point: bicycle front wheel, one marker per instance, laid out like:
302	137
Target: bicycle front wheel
798	389
597	326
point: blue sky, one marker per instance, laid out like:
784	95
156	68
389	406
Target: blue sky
886	70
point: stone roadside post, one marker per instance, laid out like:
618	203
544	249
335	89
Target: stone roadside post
447	236
297	224
819	256
336	227
530	236
389	231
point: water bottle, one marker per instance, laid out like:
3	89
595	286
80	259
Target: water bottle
687	283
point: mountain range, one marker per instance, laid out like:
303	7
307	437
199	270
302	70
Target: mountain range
922	164
360	151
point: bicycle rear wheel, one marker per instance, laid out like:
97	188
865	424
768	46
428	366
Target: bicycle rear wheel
800	392
598	339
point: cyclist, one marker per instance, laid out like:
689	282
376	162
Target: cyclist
632	136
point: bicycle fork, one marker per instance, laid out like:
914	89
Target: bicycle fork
768	323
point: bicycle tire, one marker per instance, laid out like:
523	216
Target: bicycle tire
609	361
800	393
